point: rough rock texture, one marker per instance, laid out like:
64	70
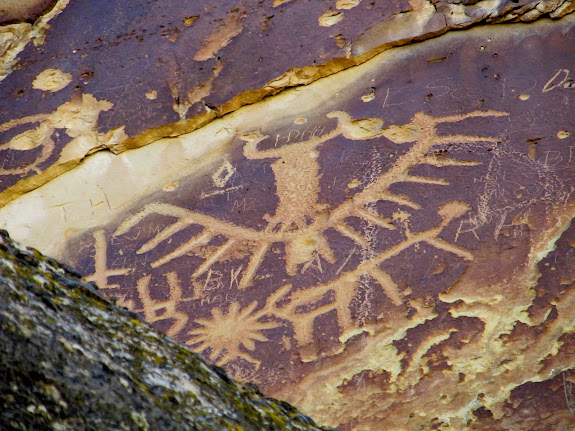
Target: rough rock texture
158	69
387	247
71	360
22	22
12	11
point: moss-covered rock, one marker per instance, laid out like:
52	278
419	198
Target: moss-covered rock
72	360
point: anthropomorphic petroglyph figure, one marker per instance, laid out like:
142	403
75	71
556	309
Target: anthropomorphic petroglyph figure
296	170
79	119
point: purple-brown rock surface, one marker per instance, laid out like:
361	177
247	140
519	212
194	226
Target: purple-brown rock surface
350	203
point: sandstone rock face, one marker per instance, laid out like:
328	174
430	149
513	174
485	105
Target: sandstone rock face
387	245
22	22
71	360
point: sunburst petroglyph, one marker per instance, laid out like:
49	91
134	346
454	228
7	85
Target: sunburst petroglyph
299	222
225	332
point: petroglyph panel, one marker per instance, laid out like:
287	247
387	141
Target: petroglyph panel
49	142
162	69
387	248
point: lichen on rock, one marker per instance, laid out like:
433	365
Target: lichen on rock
72	360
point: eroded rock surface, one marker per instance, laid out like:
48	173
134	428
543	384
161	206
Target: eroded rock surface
388	247
71	360
22	22
12	11
165	69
